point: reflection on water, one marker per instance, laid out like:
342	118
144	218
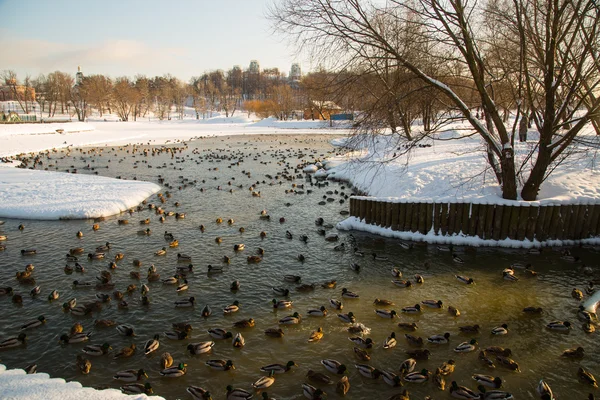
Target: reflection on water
218	166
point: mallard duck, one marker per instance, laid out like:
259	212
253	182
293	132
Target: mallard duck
462	392
174	372
453	311
336	304
485	360
439	339
245	323
173	244
320	312
235	285
488	380
79	234
182	270
83	364
417	377
499	351
28	252
97	349
416	309
183	257
200	348
177	335
577	294
125	330
544	391
419	354
508	363
329	284
35	323
316	335
125	352
500	330
166	360
6	291
334	366
144	289
386	314
218	333
311	392
237	394
533	310
391	379
274	332
494	394
161	252
238	341
457	259
137	388
390	341
438	379
573	353
152	345
465	280
264	382
347	318
466	347
432	303
130	375
212	269
292	278
81	284
364	343
403	283
588	327
383	302
408	326
291	319
144	232
278	368
220	365
281	291
282	304
404	395
13	341
253	259
559	326
413	340
510	276
75	338
396	273
368	371
198	393
183	303
319	377
306	288
232	308
586	376
408	366
419	279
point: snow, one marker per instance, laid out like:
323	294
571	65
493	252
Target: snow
56	195
15	384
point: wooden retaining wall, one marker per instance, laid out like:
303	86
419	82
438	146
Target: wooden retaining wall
487	221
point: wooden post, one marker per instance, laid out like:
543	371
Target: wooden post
541	220
550	211
409	215
481	220
522	222
437	211
585	226
575	223
395	216
594	228
513	226
414	222
555	223
457	226
498	216
429	217
506	217
402	217
532	219
451	218
464	220
422	218
388	214
489	222
473	219
378	217
363	209
369	216
565	212
444	219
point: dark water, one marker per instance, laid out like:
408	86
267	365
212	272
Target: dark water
491	302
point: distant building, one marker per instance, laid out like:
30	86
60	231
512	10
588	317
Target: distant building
78	76
295	72
254	67
14	92
321	110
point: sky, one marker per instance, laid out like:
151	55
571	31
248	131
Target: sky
127	37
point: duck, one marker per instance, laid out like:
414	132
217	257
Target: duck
488	380
355	267
171	280
408	326
264	382
125	330
254	259
183	303
362	354
137	388
174	372
453	311
6	291
319	377
234	307
317	312
438	379
364	343
447	367
533	310
13	341
419	354
173	244
75	338
386	314
390	341
432	303
125	352
559	326
219	333
573	353
235	285
278	368
76	328
333	366
238	341
316	335
543	390
291	319
292	278
462	392
456	258
413	340
396	273
500	330
161	252
312	392
274	332
485	360
416	309
279	291
494	394
28	252
34	324
220	365
336	304
499	351
439	339
408	366
97	349
198	393
130	375
464	279
586	376
83	364
577	294
403	283
377	257
419	279
466	347
508	363
200	348
177	335
382	302
391	379
144	232
245	323
166	360
368	371
347	318
152	345
96	256
282	304
417	377
329	284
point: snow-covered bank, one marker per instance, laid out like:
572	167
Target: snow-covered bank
29	194
15	384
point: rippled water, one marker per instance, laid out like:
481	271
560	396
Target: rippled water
489	303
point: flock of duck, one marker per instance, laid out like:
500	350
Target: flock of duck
315	386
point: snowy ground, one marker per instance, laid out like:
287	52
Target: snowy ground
16	385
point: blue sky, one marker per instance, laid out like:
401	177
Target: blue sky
150	37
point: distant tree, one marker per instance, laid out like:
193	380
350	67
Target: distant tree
125	97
